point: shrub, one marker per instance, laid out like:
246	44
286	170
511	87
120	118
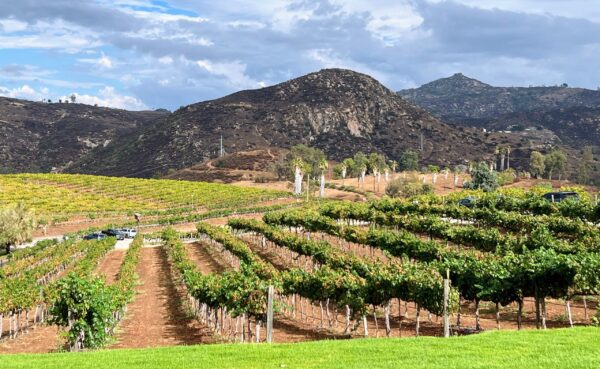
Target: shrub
407	187
482	178
507	177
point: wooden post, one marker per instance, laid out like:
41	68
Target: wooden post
544	312
386	309
243	337
270	296
537	309
477	317
418	323
347	330
520	315
446	312
498	315
568	307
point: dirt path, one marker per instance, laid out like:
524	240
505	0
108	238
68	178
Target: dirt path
206	261
156	316
40	339
110	264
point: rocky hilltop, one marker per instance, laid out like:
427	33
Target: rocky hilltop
339	111
37	136
458	98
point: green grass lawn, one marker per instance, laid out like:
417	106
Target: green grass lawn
561	348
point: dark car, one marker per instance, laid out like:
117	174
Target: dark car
95	236
468	202
120	235
561	196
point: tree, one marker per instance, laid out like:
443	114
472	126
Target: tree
583	172
433	168
393	166
310	156
377	164
347	165
555	162
483	178
298	175
323	165
360	166
583	175
508	157
409	160
73	98
16	225
537	165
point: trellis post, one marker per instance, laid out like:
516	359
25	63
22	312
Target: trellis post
270	296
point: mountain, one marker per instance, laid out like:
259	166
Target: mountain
339	111
558	116
457	98
37	136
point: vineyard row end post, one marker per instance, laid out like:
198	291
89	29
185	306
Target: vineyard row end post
270	296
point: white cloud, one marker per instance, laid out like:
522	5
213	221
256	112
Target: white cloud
54	34
103	62
329	59
234	72
389	20
24	92
166	60
247	24
108	97
11	25
163	17
584	9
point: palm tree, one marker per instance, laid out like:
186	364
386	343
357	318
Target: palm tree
363	173
16	226
298	175
508	157
502	151
323	165
393	166
347	165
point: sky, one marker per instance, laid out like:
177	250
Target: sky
137	55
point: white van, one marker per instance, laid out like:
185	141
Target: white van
129	232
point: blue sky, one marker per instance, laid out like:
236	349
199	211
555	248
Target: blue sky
164	54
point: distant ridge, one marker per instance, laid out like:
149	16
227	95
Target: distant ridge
337	110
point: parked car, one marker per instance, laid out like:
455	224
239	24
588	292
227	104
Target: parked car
95	236
114	233
468	201
129	232
561	196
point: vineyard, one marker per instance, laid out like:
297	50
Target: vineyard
63	196
314	271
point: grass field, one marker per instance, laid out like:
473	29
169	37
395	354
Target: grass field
560	348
